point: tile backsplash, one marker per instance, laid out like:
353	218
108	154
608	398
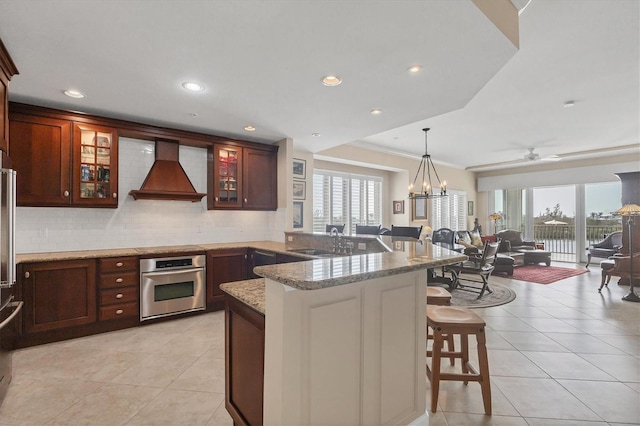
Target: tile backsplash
144	223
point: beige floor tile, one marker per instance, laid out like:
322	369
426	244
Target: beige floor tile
584	343
552	422
627	344
512	364
178	407
507	324
465	419
112	403
526	312
157	371
543	398
532	341
633	385
613	401
566	313
625	368
550	325
36	400
460	398
221	417
566	366
597	327
204	375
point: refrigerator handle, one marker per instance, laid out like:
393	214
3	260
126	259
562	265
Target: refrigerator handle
9	225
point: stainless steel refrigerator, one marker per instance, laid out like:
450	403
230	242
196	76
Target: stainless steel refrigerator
9	305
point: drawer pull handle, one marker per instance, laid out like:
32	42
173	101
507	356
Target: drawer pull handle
119	312
119	296
115	195
119	264
27	274
119	280
66	193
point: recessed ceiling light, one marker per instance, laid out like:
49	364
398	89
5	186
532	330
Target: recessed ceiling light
193	86
414	69
193	115
569	104
376	111
331	80
315	135
74	94
249	128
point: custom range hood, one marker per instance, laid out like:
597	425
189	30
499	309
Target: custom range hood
167	179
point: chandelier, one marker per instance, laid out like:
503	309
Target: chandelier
425	189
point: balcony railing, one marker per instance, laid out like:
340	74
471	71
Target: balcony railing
562	238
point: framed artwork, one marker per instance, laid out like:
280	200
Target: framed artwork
398	207
299	190
418	209
297	214
299	168
469	208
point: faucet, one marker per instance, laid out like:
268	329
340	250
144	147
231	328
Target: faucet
334	231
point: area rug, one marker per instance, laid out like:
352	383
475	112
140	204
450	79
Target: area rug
543	274
469	299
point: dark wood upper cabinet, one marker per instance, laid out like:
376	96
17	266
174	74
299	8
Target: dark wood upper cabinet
7	70
41	154
95	166
242	177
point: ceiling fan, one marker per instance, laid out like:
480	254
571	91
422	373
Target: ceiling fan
532	156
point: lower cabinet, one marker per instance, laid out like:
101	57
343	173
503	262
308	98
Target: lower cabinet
58	294
223	266
119	284
244	370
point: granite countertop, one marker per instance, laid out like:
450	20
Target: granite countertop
146	251
249	292
407	255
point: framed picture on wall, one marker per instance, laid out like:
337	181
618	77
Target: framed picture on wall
299	190
298	215
299	168
469	208
398	207
419	209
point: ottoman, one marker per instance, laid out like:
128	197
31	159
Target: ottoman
607	266
503	263
532	257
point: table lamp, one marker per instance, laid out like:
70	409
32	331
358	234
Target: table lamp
495	217
630	210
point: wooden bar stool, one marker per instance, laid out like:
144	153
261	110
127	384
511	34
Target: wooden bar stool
440	296
447	321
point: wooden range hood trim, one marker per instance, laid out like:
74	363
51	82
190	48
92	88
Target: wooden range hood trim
167	179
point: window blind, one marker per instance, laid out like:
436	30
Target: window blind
450	211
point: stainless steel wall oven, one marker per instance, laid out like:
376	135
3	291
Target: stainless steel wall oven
172	285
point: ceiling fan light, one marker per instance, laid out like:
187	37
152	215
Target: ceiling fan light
552	158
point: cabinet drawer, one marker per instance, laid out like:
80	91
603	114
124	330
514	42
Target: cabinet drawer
124	279
116	264
119	311
119	295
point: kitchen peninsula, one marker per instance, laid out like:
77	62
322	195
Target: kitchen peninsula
344	339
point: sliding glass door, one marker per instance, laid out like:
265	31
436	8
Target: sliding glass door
554	221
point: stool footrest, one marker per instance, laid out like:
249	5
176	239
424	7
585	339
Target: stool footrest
461	377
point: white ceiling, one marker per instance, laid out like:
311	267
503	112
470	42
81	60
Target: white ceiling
262	61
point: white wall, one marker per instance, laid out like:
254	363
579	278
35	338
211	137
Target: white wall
144	223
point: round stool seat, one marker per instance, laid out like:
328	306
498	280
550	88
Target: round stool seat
438	315
438	296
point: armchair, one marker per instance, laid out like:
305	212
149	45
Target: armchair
605	248
444	237
481	264
511	240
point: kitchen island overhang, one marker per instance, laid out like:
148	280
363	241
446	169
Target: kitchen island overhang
345	337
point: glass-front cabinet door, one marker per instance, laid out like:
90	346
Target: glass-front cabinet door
94	169
227	176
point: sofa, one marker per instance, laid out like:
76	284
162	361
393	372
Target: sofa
605	248
511	240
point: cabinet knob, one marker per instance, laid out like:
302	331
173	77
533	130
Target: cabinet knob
119	312
216	198
119	280
27	274
245	200
119	264
66	193
119	296
114	195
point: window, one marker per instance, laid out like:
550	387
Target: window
450	211
342	198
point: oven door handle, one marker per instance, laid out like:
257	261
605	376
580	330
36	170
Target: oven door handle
171	272
18	306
